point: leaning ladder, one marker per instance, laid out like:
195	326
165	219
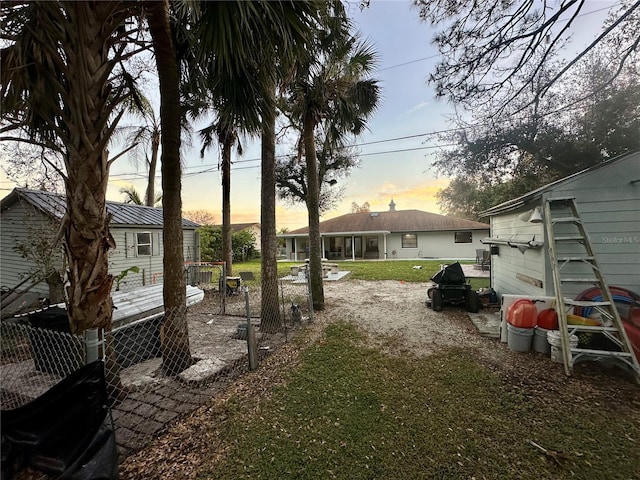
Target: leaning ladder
564	226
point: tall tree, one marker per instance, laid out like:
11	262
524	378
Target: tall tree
176	354
478	36
333	89
497	158
236	38
144	141
62	84
226	136
334	161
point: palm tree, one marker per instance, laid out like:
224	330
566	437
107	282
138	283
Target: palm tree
59	68
226	135
176	355
132	197
145	138
243	85
334	90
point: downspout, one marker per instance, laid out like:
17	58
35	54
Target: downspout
323	249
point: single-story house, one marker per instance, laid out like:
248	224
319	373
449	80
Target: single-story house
607	196
29	219
252	227
393	234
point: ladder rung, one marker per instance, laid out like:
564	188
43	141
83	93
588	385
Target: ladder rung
584	303
580	280
601	353
576	259
566	220
570	238
591	328
560	199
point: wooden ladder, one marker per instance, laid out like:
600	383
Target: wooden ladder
577	269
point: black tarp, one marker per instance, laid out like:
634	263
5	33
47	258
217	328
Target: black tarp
67	432
450	275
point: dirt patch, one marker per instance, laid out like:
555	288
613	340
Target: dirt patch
398	320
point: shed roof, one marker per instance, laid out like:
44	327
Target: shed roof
54	205
392	221
536	194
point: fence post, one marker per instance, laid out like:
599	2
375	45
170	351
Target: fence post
251	334
310	295
93	343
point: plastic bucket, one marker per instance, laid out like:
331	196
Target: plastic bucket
553	336
540	342
519	339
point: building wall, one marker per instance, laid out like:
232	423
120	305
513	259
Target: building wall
429	245
22	224
435	245
608	201
514	272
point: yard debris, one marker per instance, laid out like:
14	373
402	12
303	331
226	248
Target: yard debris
556	456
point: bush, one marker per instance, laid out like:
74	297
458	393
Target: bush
243	244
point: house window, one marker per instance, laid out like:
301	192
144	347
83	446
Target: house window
462	237
372	244
143	244
409	240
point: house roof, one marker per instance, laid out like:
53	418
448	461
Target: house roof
392	221
54	205
536	194
238	227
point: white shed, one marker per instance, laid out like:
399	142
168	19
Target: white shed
608	201
28	216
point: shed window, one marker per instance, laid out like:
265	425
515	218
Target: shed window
409	240
143	244
463	237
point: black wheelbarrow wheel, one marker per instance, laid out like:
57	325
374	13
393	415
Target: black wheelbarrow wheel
472	302
437	301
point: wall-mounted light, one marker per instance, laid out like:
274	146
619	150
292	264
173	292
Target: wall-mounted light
531	216
536	216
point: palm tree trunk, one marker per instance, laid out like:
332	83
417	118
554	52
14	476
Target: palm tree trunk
227	254
271	320
174	334
313	210
151	182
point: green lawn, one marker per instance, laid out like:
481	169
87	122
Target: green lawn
354	412
370	270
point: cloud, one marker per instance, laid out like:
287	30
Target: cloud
418	107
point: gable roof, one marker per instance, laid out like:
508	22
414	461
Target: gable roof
55	205
238	227
393	221
536	194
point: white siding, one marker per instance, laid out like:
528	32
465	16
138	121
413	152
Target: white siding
512	271
20	224
608	201
435	245
125	256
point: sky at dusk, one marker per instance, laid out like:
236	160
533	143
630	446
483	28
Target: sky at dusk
389	168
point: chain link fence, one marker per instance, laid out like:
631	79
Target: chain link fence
160	365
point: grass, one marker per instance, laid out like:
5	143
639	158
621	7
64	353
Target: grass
352	412
400	270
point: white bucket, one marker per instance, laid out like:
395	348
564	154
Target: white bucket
553	336
519	339
540	342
